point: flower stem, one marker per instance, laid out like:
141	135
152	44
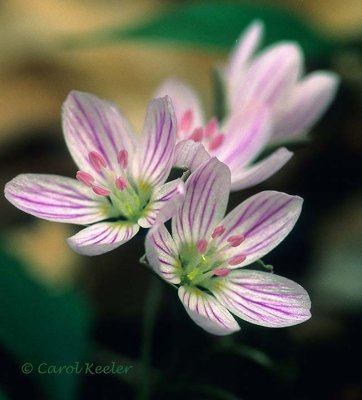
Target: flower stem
143	261
152	301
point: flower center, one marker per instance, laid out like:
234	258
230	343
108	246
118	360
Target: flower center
209	136
127	201
206	258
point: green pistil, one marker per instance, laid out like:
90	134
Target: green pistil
193	274
197	268
144	190
130	203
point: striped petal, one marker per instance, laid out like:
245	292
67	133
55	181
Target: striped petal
247	133
264	220
102	237
56	198
207	312
241	55
190	155
162	254
92	124
186	104
309	100
259	172
271	76
154	158
263	298
164	203
207	193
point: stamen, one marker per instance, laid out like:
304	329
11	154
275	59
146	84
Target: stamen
236	260
97	160
221	271
85	178
211	127
235	240
123	158
121	183
186	120
101	191
201	246
216	141
218	231
197	135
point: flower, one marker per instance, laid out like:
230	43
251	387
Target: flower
120	184
274	77
236	142
266	102
206	251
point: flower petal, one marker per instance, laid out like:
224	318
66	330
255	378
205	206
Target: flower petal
102	237
271	75
263	298
190	155
206	312
247	131
92	124
245	47
184	100
309	100
259	172
264	219
164	203
162	254
157	144
207	193
56	198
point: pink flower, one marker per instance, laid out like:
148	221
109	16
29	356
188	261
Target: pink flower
274	77
266	101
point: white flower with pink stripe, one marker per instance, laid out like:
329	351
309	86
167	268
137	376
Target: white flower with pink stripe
267	101
205	254
120	185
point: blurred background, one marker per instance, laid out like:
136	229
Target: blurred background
57	307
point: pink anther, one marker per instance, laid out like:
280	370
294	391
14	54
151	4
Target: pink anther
186	120
216	142
236	260
121	183
197	135
211	128
235	240
218	231
201	246
101	191
123	158
85	178
221	271
97	161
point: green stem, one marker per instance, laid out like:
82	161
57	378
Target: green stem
219	94
143	261
152	302
267	267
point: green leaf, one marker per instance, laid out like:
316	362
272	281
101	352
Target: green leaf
38	325
2	395
214	25
227	345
